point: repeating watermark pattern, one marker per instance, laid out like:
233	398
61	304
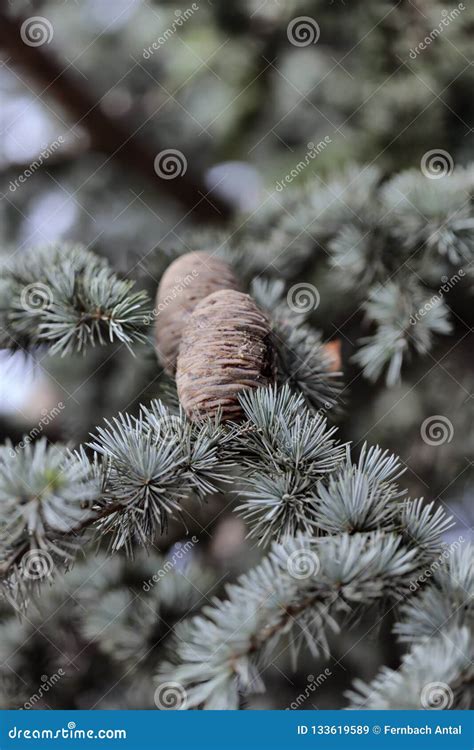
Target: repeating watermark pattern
178	289
303	563
170	163
37	564
325	408
314	149
313	684
447	285
46	419
447	17
36	296
180	20
303	31
180	552
303	298
46	684
42	157
437	430
436	695
436	164
36	31
437	564
170	696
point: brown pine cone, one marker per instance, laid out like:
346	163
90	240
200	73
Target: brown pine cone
186	282
226	347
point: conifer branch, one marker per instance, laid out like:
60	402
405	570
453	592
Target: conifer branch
302	359
438	623
294	477
395	246
151	464
142	470
400	329
297	593
66	298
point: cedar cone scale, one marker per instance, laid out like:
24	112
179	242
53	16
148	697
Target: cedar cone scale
188	280
226	348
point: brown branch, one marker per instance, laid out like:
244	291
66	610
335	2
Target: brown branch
117	139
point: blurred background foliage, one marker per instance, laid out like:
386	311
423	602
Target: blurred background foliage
242	103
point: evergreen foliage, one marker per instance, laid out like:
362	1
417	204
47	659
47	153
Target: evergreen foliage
398	245
67	298
148	561
342	536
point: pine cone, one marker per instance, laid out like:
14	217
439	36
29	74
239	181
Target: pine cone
186	282
226	347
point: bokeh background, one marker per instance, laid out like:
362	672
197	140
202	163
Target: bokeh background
225	87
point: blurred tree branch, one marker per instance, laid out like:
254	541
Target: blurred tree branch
117	139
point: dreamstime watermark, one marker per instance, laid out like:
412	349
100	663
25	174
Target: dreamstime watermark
177	289
36	31
170	696
180	551
46	684
36	564
314	149
437	430
35	297
325	408
436	164
437	696
313	684
437	564
447	285
170	163
43	156
447	17
70	732
181	18
303	563
303	31
303	298
46	419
